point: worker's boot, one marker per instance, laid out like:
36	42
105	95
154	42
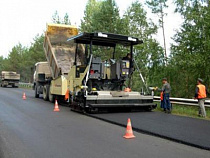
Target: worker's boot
199	112
168	111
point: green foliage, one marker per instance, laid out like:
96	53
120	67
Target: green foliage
105	19
86	23
1	63
35	54
58	20
189	111
66	20
157	7
149	56
103	16
22	59
190	53
189	58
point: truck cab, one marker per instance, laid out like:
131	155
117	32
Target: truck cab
42	76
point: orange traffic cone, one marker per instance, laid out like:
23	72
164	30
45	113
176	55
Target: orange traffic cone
129	131
24	96
56	109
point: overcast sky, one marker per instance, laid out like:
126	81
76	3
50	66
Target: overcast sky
22	20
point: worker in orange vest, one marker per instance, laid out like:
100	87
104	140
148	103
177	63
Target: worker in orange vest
201	94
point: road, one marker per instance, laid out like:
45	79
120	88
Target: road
30	129
190	131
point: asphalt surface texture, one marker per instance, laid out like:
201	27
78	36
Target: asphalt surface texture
30	129
189	131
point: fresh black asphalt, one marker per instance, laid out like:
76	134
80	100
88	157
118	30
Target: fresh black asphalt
190	131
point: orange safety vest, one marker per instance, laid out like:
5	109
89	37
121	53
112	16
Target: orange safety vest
67	95
161	95
127	90
201	91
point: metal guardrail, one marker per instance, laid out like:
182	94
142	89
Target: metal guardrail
184	101
26	85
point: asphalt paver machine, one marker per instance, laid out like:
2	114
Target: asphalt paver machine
96	84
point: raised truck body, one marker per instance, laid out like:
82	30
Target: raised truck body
60	56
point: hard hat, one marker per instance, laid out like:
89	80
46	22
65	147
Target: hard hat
164	79
200	80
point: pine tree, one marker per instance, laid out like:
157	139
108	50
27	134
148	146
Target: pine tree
158	7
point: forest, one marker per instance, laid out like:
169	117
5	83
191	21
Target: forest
188	58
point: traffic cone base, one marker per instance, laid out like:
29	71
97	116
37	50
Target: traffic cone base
129	131
24	96
56	109
129	137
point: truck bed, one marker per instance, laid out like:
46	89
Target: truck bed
65	56
59	53
10	76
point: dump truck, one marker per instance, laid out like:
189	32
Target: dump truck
42	77
10	78
60	56
86	81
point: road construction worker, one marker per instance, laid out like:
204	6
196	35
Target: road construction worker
164	96
166	89
127	57
201	94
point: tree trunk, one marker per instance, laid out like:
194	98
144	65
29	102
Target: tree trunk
164	40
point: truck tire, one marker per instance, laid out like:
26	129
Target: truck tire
36	94
51	97
46	92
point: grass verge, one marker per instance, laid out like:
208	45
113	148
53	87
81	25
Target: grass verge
183	110
25	87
